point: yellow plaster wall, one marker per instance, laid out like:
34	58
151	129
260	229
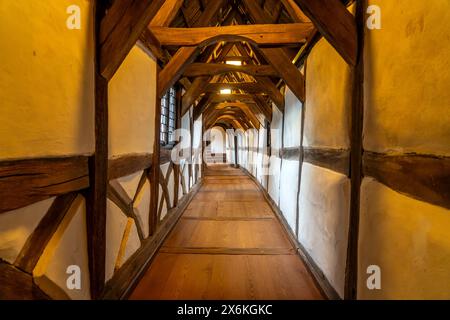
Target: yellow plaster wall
46	79
407	109
328	98
407	68
132	93
408	239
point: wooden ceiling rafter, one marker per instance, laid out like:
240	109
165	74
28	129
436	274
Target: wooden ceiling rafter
119	32
245	15
257	34
335	23
277	56
173	70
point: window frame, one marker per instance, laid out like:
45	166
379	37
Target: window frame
168	118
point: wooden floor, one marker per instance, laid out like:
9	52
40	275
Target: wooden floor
227	245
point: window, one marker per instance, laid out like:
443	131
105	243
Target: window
168	117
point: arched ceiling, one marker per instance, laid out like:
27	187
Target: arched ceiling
252	48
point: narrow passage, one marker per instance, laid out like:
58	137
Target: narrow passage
228	244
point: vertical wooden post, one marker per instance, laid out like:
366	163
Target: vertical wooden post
98	174
356	151
154	170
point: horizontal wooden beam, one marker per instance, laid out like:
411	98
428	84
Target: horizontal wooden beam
248	87
128	164
336	24
337	160
290	153
258	34
241	97
423	177
164	156
23	182
213	69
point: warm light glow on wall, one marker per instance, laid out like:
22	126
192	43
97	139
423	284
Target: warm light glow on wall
225	91
234	62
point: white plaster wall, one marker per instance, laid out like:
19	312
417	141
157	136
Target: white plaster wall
131	106
185	124
407	68
253	154
408	239
47	72
198	142
244	151
273	185
229	147
17	225
218	140
292	120
275	161
328	98
130	183
323	220
67	247
288	191
261	157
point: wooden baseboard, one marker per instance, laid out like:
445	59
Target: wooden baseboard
322	282
122	284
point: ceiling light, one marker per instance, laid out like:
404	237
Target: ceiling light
225	91
234	62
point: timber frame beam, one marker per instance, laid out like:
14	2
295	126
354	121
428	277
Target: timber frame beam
258	34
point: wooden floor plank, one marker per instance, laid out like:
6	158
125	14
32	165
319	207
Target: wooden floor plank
228	251
203	276
228	245
228	233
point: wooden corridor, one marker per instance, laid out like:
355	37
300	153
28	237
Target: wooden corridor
228	244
